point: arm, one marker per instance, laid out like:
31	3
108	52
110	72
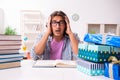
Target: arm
74	41
40	47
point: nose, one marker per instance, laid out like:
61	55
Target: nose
58	25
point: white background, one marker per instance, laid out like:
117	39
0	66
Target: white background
90	11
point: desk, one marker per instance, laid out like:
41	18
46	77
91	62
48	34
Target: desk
26	72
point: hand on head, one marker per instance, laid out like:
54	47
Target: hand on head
68	30
49	26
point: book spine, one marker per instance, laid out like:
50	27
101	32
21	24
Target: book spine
10	55
9	51
10	59
9	42
10	37
10	47
10	65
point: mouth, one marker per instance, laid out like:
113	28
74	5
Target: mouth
57	31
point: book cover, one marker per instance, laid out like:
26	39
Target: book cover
10	42
10	37
54	63
10	65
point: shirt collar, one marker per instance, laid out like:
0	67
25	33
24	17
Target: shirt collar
65	38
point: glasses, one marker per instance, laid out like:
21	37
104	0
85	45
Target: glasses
54	23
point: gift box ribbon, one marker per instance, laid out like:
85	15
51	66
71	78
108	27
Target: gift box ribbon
104	38
114	61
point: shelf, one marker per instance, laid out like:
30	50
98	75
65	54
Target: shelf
31	36
113	29
93	28
31	26
32	32
29	42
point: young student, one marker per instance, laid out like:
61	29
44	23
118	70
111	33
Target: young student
58	42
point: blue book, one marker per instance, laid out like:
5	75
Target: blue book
4	56
10	59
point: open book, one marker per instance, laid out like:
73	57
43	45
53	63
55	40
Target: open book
54	63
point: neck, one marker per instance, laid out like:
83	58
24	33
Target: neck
58	38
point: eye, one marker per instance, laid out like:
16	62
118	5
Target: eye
62	22
54	22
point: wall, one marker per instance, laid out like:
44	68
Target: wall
90	11
1	20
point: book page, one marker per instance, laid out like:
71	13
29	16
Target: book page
66	63
44	63
55	63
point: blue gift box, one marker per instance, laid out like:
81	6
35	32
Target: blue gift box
90	68
97	53
112	71
103	39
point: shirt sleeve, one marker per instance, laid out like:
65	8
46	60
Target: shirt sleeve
32	52
77	37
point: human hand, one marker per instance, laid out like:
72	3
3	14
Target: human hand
68	30
49	26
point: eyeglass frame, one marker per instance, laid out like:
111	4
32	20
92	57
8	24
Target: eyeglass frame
61	22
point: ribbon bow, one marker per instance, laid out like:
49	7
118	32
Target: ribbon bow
114	60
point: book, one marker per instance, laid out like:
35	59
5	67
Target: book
10	42
9	51
10	64
54	63
10	47
11	55
10	59
10	37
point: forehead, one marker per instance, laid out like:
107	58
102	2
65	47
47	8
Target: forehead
57	18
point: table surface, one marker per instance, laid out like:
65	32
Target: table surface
27	72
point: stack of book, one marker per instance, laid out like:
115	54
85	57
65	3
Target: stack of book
9	51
